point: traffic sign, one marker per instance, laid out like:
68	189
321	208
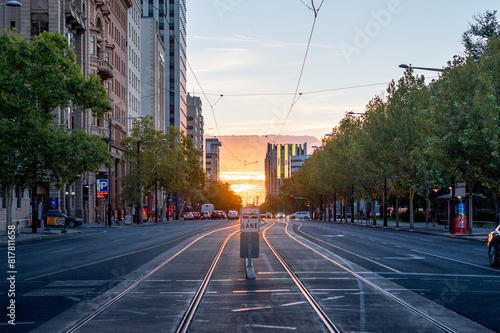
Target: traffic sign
102	185
250	219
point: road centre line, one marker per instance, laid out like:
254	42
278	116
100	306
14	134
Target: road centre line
455	260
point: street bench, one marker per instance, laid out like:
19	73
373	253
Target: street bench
483	224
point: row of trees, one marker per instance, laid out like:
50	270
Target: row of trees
36	78
418	137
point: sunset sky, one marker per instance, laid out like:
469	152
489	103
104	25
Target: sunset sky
248	55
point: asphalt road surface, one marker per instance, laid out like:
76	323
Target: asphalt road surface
310	277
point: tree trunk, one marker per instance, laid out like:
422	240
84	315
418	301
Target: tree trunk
397	211
334	207
34	209
9	193
374	213
412	195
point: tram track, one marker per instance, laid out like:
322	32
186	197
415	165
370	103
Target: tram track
194	303
324	317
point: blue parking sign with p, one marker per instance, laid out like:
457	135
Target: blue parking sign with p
102	185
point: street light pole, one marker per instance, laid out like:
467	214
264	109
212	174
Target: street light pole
110	141
422	68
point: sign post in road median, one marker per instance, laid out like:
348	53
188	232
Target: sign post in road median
249	239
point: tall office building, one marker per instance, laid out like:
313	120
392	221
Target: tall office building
171	22
134	63
212	157
195	122
281	162
175	81
152	73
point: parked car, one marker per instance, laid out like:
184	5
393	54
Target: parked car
56	218
494	247
233	215
300	215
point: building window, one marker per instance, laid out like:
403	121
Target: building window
39	23
92	45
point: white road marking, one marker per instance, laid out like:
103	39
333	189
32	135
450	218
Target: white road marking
455	260
62	250
252	309
135	312
119	240
268	264
294	303
260	291
408	257
274	327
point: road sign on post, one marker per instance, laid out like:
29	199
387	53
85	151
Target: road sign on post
250	219
250	222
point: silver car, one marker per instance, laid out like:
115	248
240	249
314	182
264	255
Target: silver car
300	215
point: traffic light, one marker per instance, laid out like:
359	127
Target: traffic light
291	196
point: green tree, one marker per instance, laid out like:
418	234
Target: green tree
36	78
475	39
406	101
168	163
464	117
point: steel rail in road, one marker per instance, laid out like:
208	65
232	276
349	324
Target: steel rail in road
145	277
310	299
195	302
372	285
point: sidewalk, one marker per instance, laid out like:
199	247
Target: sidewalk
479	234
25	235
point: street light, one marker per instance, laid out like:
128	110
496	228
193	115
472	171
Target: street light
12	3
139	180
422	68
355	113
110	123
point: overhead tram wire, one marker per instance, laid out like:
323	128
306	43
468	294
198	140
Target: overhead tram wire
295	99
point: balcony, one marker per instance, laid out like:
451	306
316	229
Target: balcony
111	104
105	70
74	16
105	6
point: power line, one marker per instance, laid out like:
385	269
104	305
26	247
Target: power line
295	99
